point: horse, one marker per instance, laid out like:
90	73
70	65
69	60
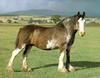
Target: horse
60	36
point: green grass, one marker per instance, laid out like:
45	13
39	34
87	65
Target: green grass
85	57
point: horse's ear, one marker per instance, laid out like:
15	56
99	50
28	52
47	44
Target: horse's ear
83	14
78	13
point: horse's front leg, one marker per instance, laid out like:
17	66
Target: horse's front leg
69	67
61	67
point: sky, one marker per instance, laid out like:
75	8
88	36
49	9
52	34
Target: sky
58	5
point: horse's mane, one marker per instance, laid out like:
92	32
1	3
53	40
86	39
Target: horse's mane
60	23
66	19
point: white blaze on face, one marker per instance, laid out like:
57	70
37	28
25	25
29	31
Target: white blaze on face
81	26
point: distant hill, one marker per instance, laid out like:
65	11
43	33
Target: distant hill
44	12
40	12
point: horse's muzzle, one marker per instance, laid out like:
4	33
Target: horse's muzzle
81	34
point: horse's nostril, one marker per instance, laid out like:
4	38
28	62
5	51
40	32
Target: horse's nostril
81	34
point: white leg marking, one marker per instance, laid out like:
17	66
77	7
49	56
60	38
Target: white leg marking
24	65
14	53
61	65
71	68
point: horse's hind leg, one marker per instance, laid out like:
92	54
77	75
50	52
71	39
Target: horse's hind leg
24	63
14	54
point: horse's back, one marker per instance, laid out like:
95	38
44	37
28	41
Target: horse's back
42	37
34	34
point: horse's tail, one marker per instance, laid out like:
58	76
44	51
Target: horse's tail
17	39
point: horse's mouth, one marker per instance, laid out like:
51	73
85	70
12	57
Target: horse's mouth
81	34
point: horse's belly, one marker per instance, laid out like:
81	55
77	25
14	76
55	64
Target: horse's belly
51	44
47	44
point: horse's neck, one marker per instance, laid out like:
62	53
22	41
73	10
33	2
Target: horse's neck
72	38
60	26
74	32
69	28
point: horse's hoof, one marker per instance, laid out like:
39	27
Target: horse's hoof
27	69
63	70
71	69
9	69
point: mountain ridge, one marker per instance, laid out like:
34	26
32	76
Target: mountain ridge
45	12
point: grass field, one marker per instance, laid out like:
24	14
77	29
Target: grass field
85	57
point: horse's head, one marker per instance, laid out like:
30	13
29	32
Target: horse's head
80	21
75	22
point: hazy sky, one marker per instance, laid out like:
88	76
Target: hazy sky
59	5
